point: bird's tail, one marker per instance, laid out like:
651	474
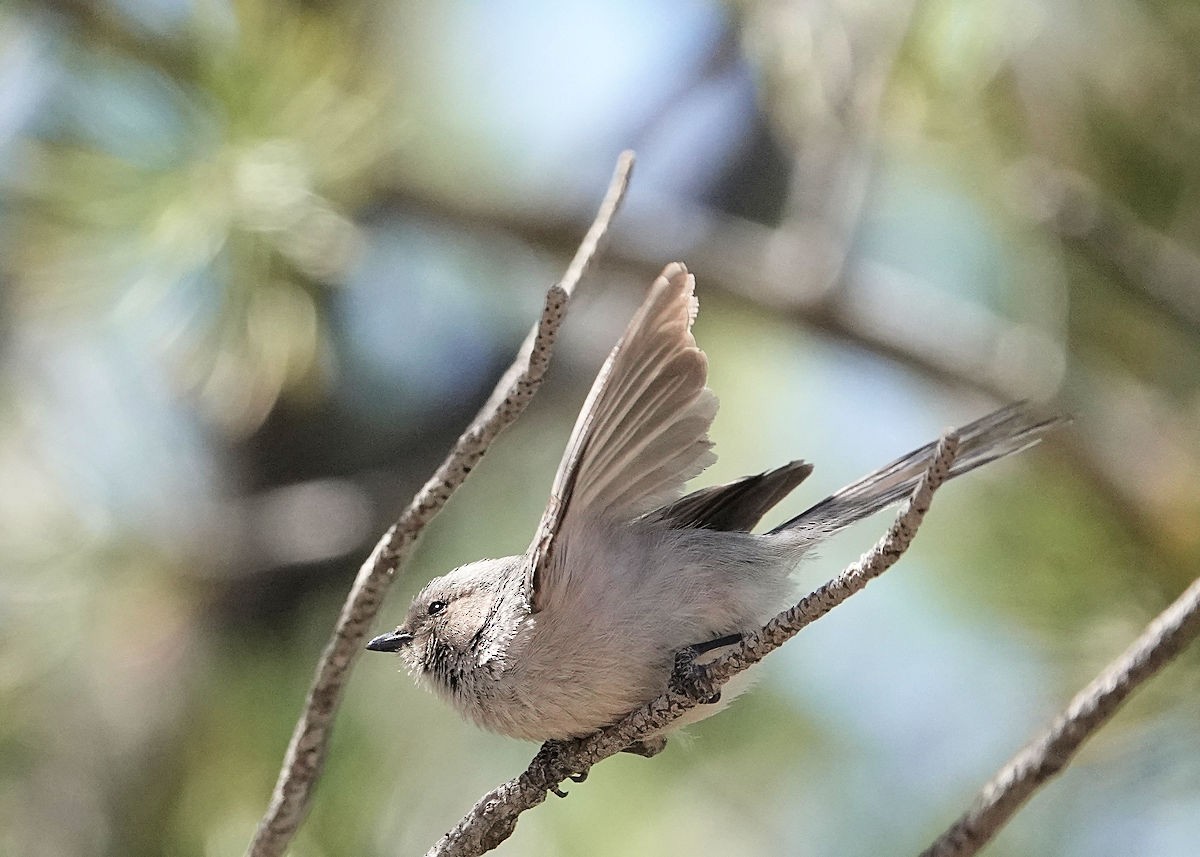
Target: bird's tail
1004	432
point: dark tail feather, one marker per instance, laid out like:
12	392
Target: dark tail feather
736	506
1004	432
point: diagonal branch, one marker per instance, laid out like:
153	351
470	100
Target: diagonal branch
306	752
494	816
1153	265
1049	753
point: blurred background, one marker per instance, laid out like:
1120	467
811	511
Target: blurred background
262	260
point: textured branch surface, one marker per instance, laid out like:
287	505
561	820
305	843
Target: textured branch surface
306	752
494	816
1049	753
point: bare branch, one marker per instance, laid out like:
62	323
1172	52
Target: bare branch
1049	753
306	752
494	816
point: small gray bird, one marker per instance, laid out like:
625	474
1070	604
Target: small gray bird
623	571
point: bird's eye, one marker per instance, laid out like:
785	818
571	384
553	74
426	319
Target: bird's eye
436	607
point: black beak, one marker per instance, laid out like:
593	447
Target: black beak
392	642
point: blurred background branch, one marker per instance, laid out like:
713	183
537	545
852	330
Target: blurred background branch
262	260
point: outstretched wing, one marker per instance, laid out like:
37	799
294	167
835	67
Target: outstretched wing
642	433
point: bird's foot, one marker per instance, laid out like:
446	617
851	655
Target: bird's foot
551	756
690	678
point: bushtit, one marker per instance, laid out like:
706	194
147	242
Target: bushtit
623	572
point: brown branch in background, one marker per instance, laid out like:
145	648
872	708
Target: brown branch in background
1117	402
823	97
1149	263
306	752
897	317
1047	755
494	816
763	268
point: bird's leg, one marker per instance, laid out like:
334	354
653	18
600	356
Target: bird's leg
690	678
687	677
719	643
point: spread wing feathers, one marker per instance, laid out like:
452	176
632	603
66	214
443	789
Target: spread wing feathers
642	433
736	506
1003	432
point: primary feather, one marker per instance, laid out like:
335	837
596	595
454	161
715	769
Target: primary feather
642	433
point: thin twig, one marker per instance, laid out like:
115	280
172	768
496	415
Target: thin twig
494	816
869	566
306	752
1049	753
